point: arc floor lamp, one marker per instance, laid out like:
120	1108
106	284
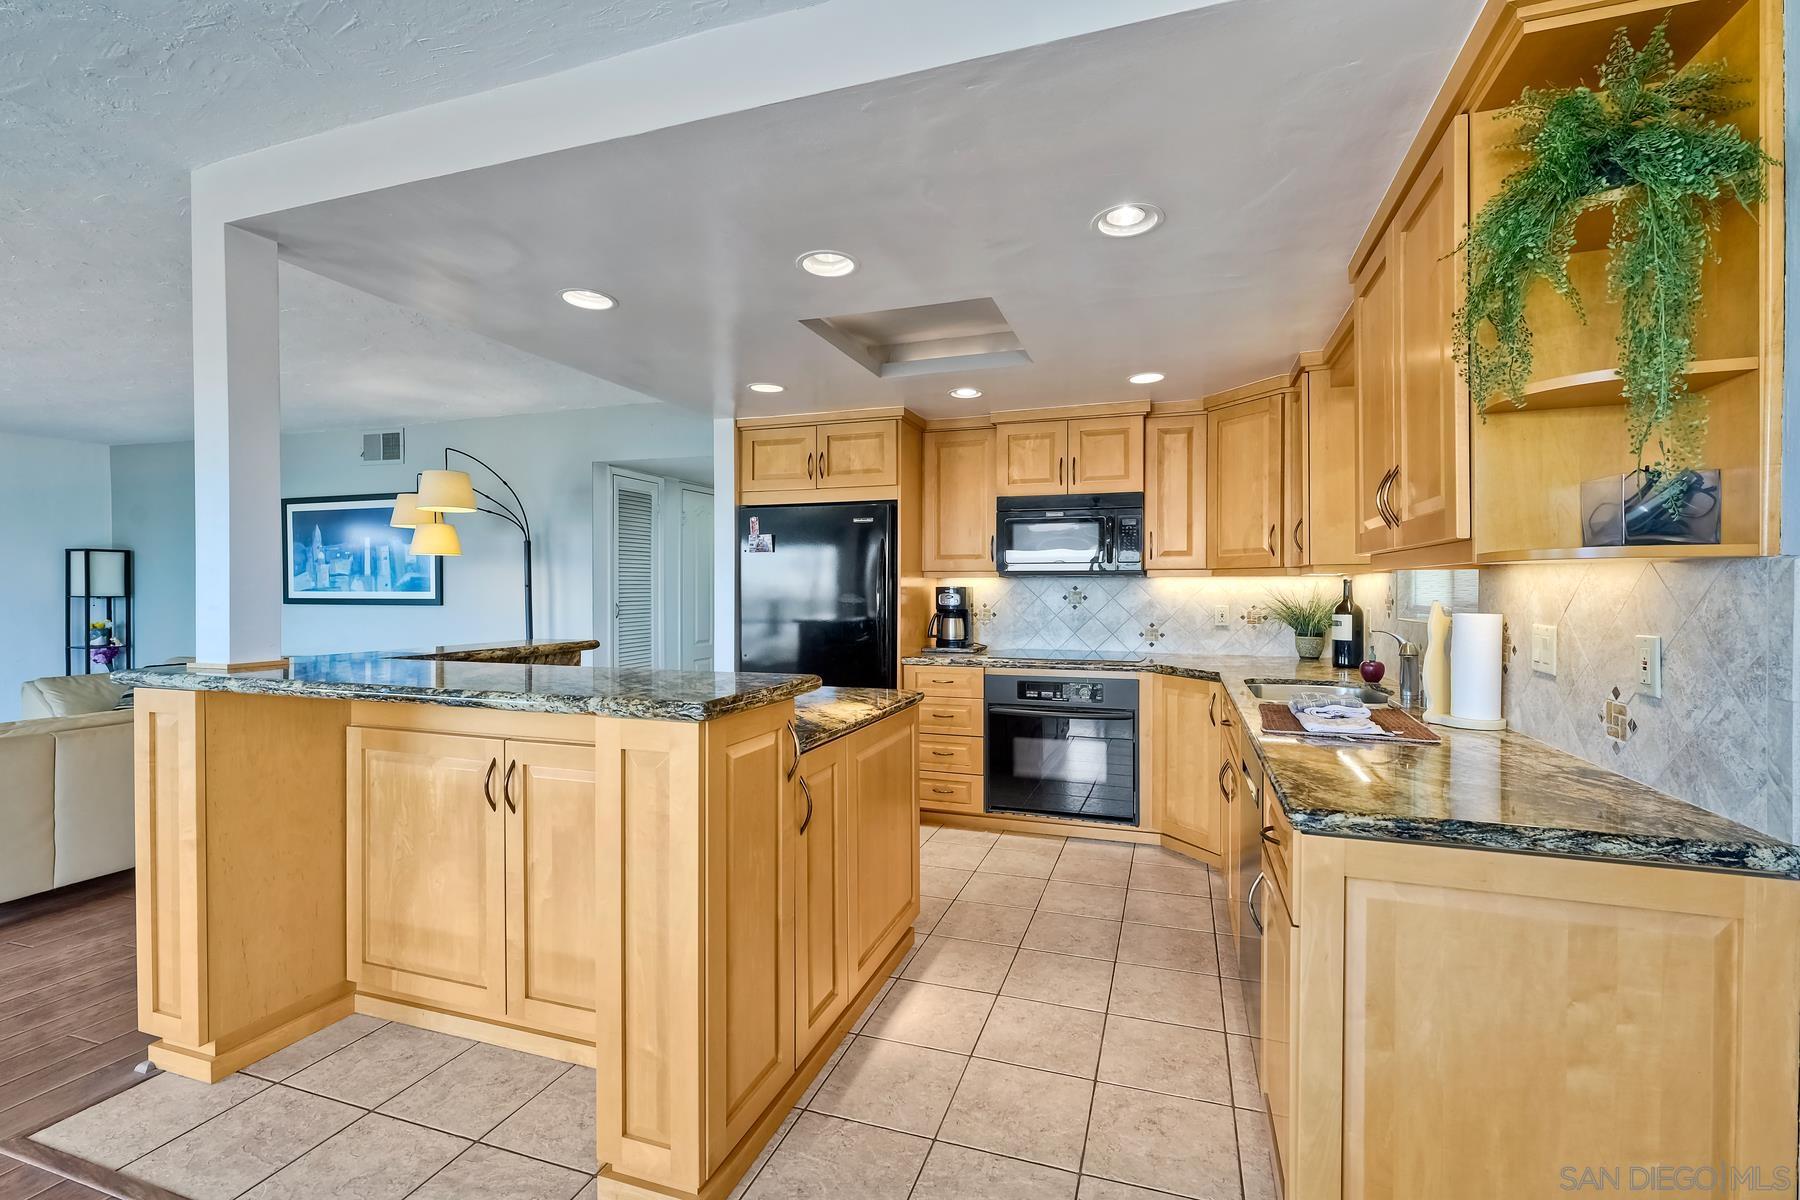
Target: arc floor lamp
442	492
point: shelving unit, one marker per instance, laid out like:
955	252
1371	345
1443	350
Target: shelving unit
1595	389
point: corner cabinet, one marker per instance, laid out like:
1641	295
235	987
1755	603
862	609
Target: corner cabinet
1244	494
958	502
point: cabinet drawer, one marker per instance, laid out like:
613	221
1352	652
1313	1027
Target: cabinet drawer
950	793
945	681
1279	851
963	755
945	715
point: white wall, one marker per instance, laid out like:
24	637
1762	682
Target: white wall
54	495
548	457
153	516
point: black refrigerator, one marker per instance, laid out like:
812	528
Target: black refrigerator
817	590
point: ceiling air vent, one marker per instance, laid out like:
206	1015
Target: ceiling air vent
387	447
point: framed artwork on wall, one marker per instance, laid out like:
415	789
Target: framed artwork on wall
341	550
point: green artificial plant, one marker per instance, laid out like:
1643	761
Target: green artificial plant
1648	144
1306	615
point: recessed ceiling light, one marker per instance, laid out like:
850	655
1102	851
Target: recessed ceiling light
767	387
966	393
1128	220
586	298
1147	377
828	263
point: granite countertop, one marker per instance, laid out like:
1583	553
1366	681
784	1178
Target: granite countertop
514	677
1490	790
828	713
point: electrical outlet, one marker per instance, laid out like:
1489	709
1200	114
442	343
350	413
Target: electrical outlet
1221	616
1649	648
1543	649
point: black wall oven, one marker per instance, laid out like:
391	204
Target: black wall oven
1063	746
1070	535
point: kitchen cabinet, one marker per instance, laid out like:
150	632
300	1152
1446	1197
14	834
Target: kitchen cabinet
855	454
883	841
1295	477
952	751
958	502
1331	458
783	458
1244	483
1106	454
1275	1052
1175	492
822	457
552	896
1376	383
1032	458
1186	762
822	986
1075	455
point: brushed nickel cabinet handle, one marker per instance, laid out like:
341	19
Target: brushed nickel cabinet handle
795	734
506	786
1250	901
1224	769
1381	488
1388	498
1268	835
487	784
807	792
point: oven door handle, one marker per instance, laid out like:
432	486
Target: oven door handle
1110	714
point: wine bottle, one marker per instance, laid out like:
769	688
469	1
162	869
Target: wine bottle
1347	632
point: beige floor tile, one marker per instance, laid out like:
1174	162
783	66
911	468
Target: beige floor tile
762	1158
1173	1059
475	1091
484	1173
138	1120
978	966
1060	979
931	910
984	838
1060	933
891	1084
309	1050
1095	1188
941	851
377	1158
1018	891
824	1157
996	923
1246	1091
1083	900
874	1004
557	1124
1158	994
1221	914
959	1173
374	1069
240	1148
1029	863
1230	963
1021	1113
1102	848
1076	866
1231	992
831	1063
1183	881
1175	949
1187	1147
1169	909
1162	856
926	830
1042	843
925	1014
942	882
1256	1156
1050	1037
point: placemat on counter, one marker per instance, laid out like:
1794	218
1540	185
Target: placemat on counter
1403	728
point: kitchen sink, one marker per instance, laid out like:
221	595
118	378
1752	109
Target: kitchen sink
1281	692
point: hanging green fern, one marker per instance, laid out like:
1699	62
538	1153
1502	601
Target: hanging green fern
1649	145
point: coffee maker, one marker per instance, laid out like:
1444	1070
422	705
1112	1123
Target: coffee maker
952	626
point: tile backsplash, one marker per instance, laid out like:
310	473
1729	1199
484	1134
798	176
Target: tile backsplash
1119	614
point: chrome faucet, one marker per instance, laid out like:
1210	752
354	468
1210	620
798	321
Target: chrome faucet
1411	671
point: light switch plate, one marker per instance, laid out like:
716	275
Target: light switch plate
1649	649
1221	616
1543	649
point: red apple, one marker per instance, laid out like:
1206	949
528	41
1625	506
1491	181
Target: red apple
1372	670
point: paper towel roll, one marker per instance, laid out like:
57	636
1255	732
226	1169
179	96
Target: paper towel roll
1475	649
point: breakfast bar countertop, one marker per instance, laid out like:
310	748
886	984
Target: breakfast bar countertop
1490	790
828	713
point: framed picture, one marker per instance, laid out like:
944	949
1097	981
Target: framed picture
341	550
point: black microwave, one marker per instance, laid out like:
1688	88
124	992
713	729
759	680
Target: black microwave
1070	535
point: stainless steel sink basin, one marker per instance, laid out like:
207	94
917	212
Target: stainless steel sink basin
1280	693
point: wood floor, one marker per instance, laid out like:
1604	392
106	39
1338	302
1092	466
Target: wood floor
68	1018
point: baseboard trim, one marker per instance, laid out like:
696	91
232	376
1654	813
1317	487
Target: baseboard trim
210	1067
1053	826
509	1037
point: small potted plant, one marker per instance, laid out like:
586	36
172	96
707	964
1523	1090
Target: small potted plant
1309	616
103	647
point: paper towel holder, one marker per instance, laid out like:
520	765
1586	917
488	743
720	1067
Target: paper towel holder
1439	625
1456	722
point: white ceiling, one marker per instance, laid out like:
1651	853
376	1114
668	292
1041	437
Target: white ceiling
108	106
1267	129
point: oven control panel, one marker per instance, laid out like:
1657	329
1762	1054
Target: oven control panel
1062	691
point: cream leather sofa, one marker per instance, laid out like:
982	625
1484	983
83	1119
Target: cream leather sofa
65	786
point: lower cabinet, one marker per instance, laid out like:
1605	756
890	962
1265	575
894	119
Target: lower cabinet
1186	761
552	894
1275	1057
883	841
822	895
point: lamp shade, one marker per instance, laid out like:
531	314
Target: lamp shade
437	539
406	512
108	573
446	492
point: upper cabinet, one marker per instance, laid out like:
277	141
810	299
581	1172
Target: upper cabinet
1042	457
1327	387
859	456
959	502
1244	481
779	458
1175	492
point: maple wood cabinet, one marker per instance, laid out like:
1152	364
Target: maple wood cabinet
1077	455
958	502
1244	491
825	457
1175	492
952	749
1186	756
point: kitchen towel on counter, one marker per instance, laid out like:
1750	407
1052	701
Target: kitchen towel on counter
1327	712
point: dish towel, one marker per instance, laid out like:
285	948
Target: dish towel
1326	713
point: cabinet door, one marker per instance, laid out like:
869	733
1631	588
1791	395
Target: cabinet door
1106	454
426	884
1275	1062
1175	492
1332	496
1243	483
821	897
1430	495
1186	759
884	841
779	459
1377	382
551	899
1295	477
959	502
1031	458
859	454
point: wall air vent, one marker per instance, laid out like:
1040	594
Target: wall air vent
960	336
387	447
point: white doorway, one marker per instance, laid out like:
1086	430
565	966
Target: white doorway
694	581
653	565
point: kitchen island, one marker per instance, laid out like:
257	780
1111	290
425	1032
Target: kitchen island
621	868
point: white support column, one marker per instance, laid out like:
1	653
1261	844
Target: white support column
237	445
725	547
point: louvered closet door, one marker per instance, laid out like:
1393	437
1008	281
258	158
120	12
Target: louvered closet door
634	572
